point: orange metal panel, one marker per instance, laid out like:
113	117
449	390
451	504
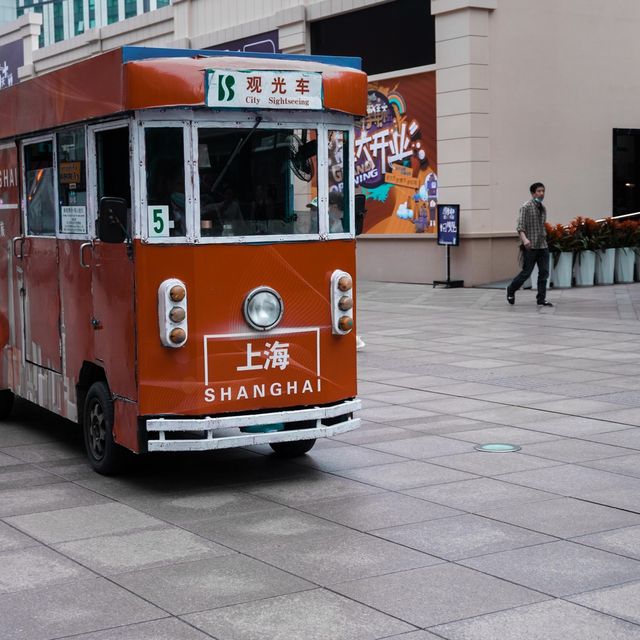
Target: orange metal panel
87	89
218	278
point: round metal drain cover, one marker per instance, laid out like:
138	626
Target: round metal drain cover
497	447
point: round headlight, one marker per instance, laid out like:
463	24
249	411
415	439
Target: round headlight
263	308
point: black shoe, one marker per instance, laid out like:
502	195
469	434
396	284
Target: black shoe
511	297
545	303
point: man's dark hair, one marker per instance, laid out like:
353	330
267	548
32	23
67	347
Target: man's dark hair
534	186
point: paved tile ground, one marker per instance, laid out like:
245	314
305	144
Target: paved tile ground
400	530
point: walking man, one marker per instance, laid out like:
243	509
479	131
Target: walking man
532	234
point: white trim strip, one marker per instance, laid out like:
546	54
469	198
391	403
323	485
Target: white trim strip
8	206
248	420
249	439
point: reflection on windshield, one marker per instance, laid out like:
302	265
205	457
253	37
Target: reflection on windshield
260	182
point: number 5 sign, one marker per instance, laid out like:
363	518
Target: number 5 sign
158	220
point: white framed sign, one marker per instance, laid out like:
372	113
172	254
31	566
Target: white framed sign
73	220
263	89
158	220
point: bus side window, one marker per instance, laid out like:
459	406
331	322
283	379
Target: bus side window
40	197
72	182
114	178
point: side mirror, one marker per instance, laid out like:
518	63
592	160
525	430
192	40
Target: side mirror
112	220
360	210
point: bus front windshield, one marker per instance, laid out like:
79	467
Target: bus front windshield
257	181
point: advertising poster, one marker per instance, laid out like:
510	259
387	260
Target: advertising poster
395	156
11	58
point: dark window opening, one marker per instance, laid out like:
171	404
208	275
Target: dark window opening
112	157
391	36
626	171
40	196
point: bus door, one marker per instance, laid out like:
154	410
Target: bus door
39	283
112	277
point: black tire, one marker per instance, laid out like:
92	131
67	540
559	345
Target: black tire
296	448
6	403
293	449
105	456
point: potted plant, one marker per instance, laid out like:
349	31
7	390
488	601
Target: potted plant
561	249
625	239
606	252
584	233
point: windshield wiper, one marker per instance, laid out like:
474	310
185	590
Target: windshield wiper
234	153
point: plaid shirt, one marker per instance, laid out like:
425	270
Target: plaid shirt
531	220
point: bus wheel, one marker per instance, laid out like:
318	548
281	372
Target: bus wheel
6	403
105	456
292	449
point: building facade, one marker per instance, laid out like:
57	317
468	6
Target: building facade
470	101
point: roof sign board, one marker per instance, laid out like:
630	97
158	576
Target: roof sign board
263	89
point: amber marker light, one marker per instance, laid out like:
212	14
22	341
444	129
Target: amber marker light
177	314
345	323
177	335
345	303
177	293
345	283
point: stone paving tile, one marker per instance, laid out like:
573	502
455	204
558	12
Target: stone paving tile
509	435
326	615
551	568
551	620
36	567
40	452
366	513
493	464
82	522
573	450
621	601
346	457
438	594
72	608
462	536
7	460
11	539
629	438
189	506
166	629
628	465
375	432
415	635
276	527
349	555
564	517
570	480
585	407
625	497
36	499
19	476
624	416
206	584
140	550
423	447
314	485
625	541
405	475
478	494
577	426
510	416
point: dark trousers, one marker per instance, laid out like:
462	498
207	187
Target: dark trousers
532	257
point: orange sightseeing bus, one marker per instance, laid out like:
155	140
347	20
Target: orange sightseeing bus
178	249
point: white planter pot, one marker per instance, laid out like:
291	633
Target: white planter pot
562	270
624	264
605	264
585	268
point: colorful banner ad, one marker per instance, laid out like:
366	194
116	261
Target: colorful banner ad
395	156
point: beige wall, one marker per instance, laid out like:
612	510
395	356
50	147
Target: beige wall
563	74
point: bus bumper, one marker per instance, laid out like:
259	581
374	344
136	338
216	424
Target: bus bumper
205	434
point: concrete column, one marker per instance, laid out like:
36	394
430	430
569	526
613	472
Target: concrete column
181	23
293	34
462	104
26	28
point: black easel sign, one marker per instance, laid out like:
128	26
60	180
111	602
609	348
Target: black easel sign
449	236
448	224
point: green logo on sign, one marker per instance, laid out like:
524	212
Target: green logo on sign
225	88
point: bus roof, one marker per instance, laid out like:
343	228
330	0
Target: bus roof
139	77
